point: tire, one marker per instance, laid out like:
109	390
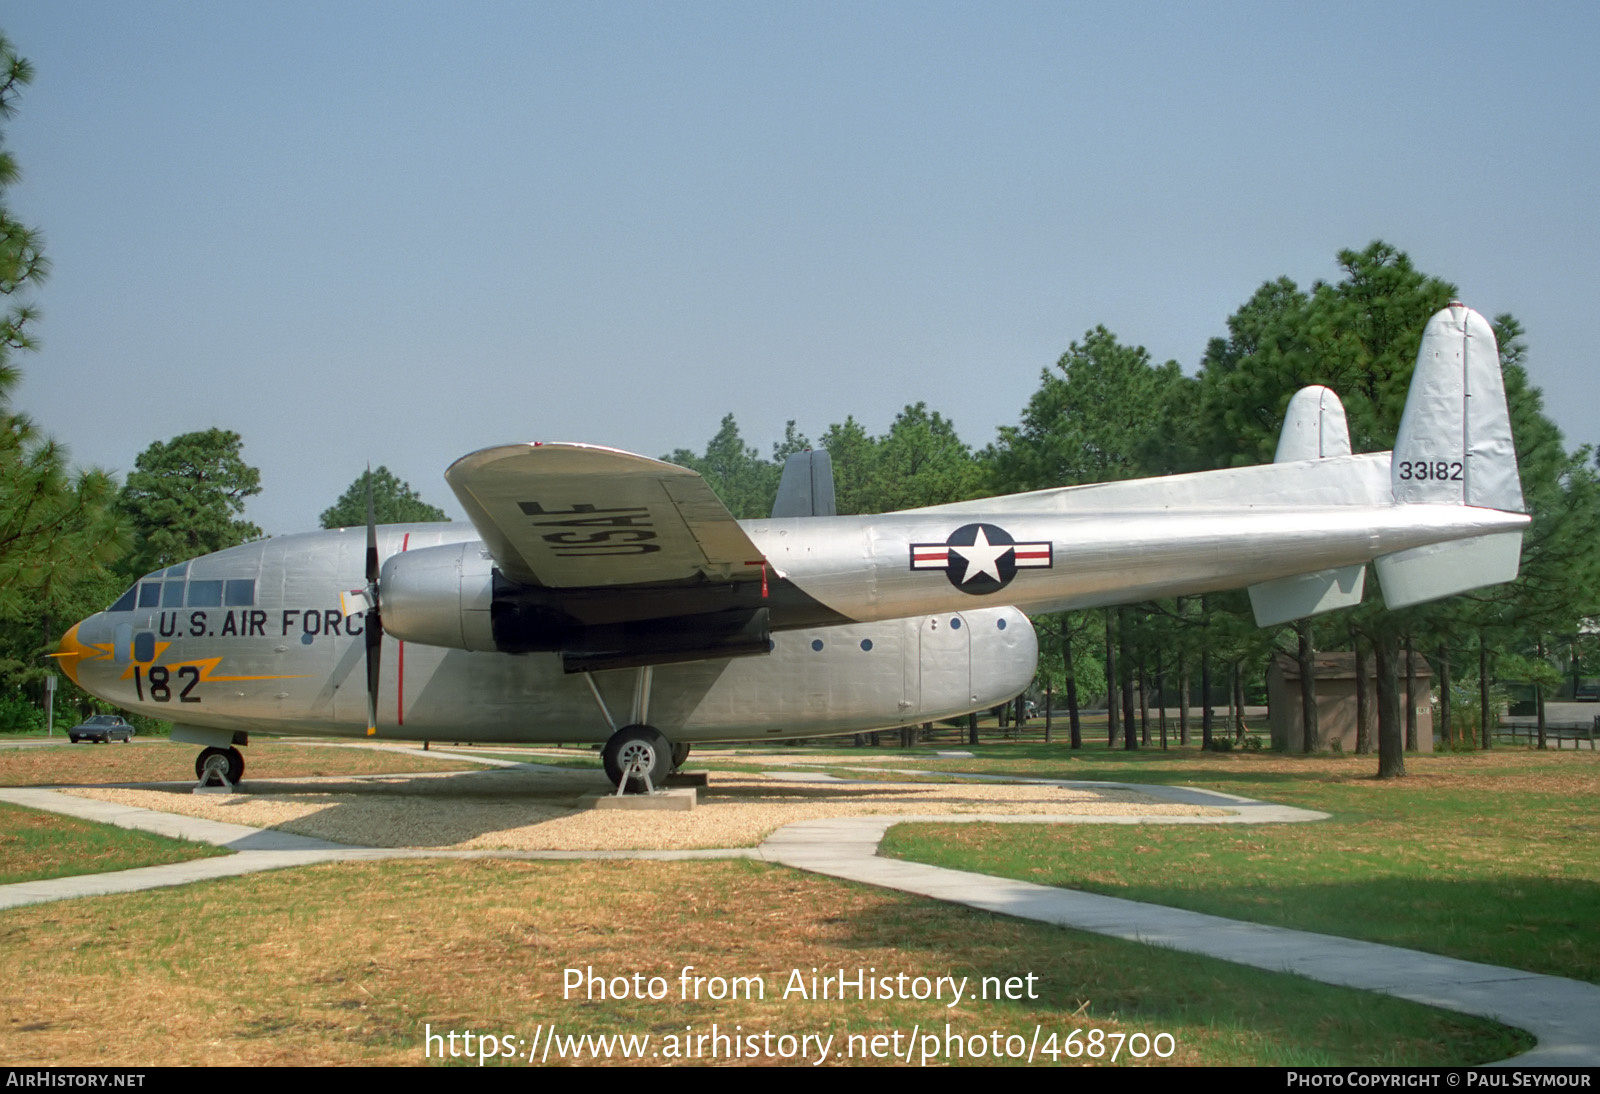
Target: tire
229	759
680	755
637	744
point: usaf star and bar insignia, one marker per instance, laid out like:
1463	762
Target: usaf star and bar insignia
980	558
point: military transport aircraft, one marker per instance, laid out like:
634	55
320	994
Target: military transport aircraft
602	596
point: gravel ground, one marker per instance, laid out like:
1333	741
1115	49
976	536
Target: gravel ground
527	809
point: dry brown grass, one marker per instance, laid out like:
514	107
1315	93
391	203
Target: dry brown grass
348	964
157	760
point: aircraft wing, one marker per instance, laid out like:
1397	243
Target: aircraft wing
580	516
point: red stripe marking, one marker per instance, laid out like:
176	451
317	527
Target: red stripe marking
400	684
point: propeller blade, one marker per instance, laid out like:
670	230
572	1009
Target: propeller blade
374	623
372	536
374	654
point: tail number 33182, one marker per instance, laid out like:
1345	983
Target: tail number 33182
1430	471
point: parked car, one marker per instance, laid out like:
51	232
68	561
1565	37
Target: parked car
103	728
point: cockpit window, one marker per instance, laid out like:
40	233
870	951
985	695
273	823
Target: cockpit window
156	593
177	571
205	594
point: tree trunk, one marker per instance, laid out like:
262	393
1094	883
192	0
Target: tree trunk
1074	724
1483	693
1112	726
1538	700
1411	696
1391	731
972	728
1049	699
1363	700
1306	656
1161	699
1444	696
1130	742
1238	701
1183	702
1144	705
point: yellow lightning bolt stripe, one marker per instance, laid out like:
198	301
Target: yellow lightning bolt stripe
206	665
101	652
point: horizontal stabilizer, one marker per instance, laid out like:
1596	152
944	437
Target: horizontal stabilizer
1291	598
1444	569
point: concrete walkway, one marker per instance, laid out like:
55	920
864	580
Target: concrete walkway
1563	1014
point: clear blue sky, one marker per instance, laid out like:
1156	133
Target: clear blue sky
397	233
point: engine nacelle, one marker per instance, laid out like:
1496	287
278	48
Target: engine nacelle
453	596
440	596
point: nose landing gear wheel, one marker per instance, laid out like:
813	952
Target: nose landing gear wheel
225	762
637	747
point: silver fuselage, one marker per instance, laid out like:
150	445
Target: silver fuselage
292	663
933	626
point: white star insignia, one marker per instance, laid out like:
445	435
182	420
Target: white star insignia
982	557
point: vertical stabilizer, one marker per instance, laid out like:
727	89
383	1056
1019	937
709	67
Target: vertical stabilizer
1314	428
806	489
1454	448
1454	445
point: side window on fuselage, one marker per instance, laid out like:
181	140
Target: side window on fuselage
205	594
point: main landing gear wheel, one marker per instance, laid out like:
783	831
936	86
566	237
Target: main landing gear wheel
641	746
680	755
227	762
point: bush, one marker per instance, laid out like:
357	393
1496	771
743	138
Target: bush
1220	744
20	716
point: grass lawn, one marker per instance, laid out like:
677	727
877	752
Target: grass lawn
355	963
1492	857
36	845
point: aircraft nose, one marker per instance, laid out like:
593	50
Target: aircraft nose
68	652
